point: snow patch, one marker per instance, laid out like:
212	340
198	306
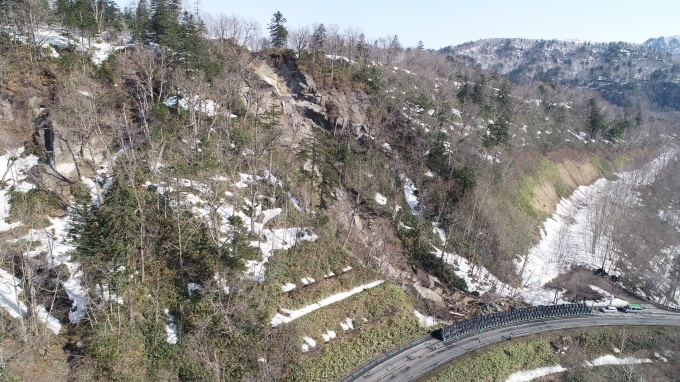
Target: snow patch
171	329
613	360
410	194
567	236
329	335
291	315
307	280
13	172
348	324
194	287
380	199
525	376
309	343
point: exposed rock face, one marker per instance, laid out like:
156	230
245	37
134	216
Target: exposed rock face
6	111
349	108
426	293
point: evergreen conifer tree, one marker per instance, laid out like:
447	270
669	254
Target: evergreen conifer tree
141	21
165	26
596	122
277	32
319	37
111	239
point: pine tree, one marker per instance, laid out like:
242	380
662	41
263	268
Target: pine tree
596	121
394	46
438	158
498	133
165	26
111	239
77	14
420	45
141	22
319	37
277	32
362	49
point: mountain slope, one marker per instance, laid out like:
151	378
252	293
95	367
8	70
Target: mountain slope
670	45
624	74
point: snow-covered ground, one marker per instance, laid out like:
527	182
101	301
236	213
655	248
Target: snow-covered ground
13	172
476	277
207	107
51	242
568	237
526	376
410	194
172	336
290	315
613	360
609	299
98	49
380	199
269	239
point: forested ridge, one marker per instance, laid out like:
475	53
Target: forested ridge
186	197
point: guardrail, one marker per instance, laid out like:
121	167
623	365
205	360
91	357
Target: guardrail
363	369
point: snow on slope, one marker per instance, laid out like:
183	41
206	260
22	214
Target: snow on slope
410	194
13	172
13	169
291	315
476	277
567	236
529	375
98	49
269	239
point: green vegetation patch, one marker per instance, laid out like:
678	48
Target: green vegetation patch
306	294
353	349
523	195
600	342
35	206
603	166
498	363
363	308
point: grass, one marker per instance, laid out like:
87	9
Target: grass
603	166
364	307
35	206
304	295
350	351
382	319
498	363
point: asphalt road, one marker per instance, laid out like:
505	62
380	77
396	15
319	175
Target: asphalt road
424	358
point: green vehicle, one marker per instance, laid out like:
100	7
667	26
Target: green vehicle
632	308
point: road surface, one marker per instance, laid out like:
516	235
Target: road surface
422	359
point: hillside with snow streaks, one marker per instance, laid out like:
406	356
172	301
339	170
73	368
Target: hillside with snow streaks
269	239
14	170
577	233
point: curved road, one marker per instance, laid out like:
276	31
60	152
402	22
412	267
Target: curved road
424	358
